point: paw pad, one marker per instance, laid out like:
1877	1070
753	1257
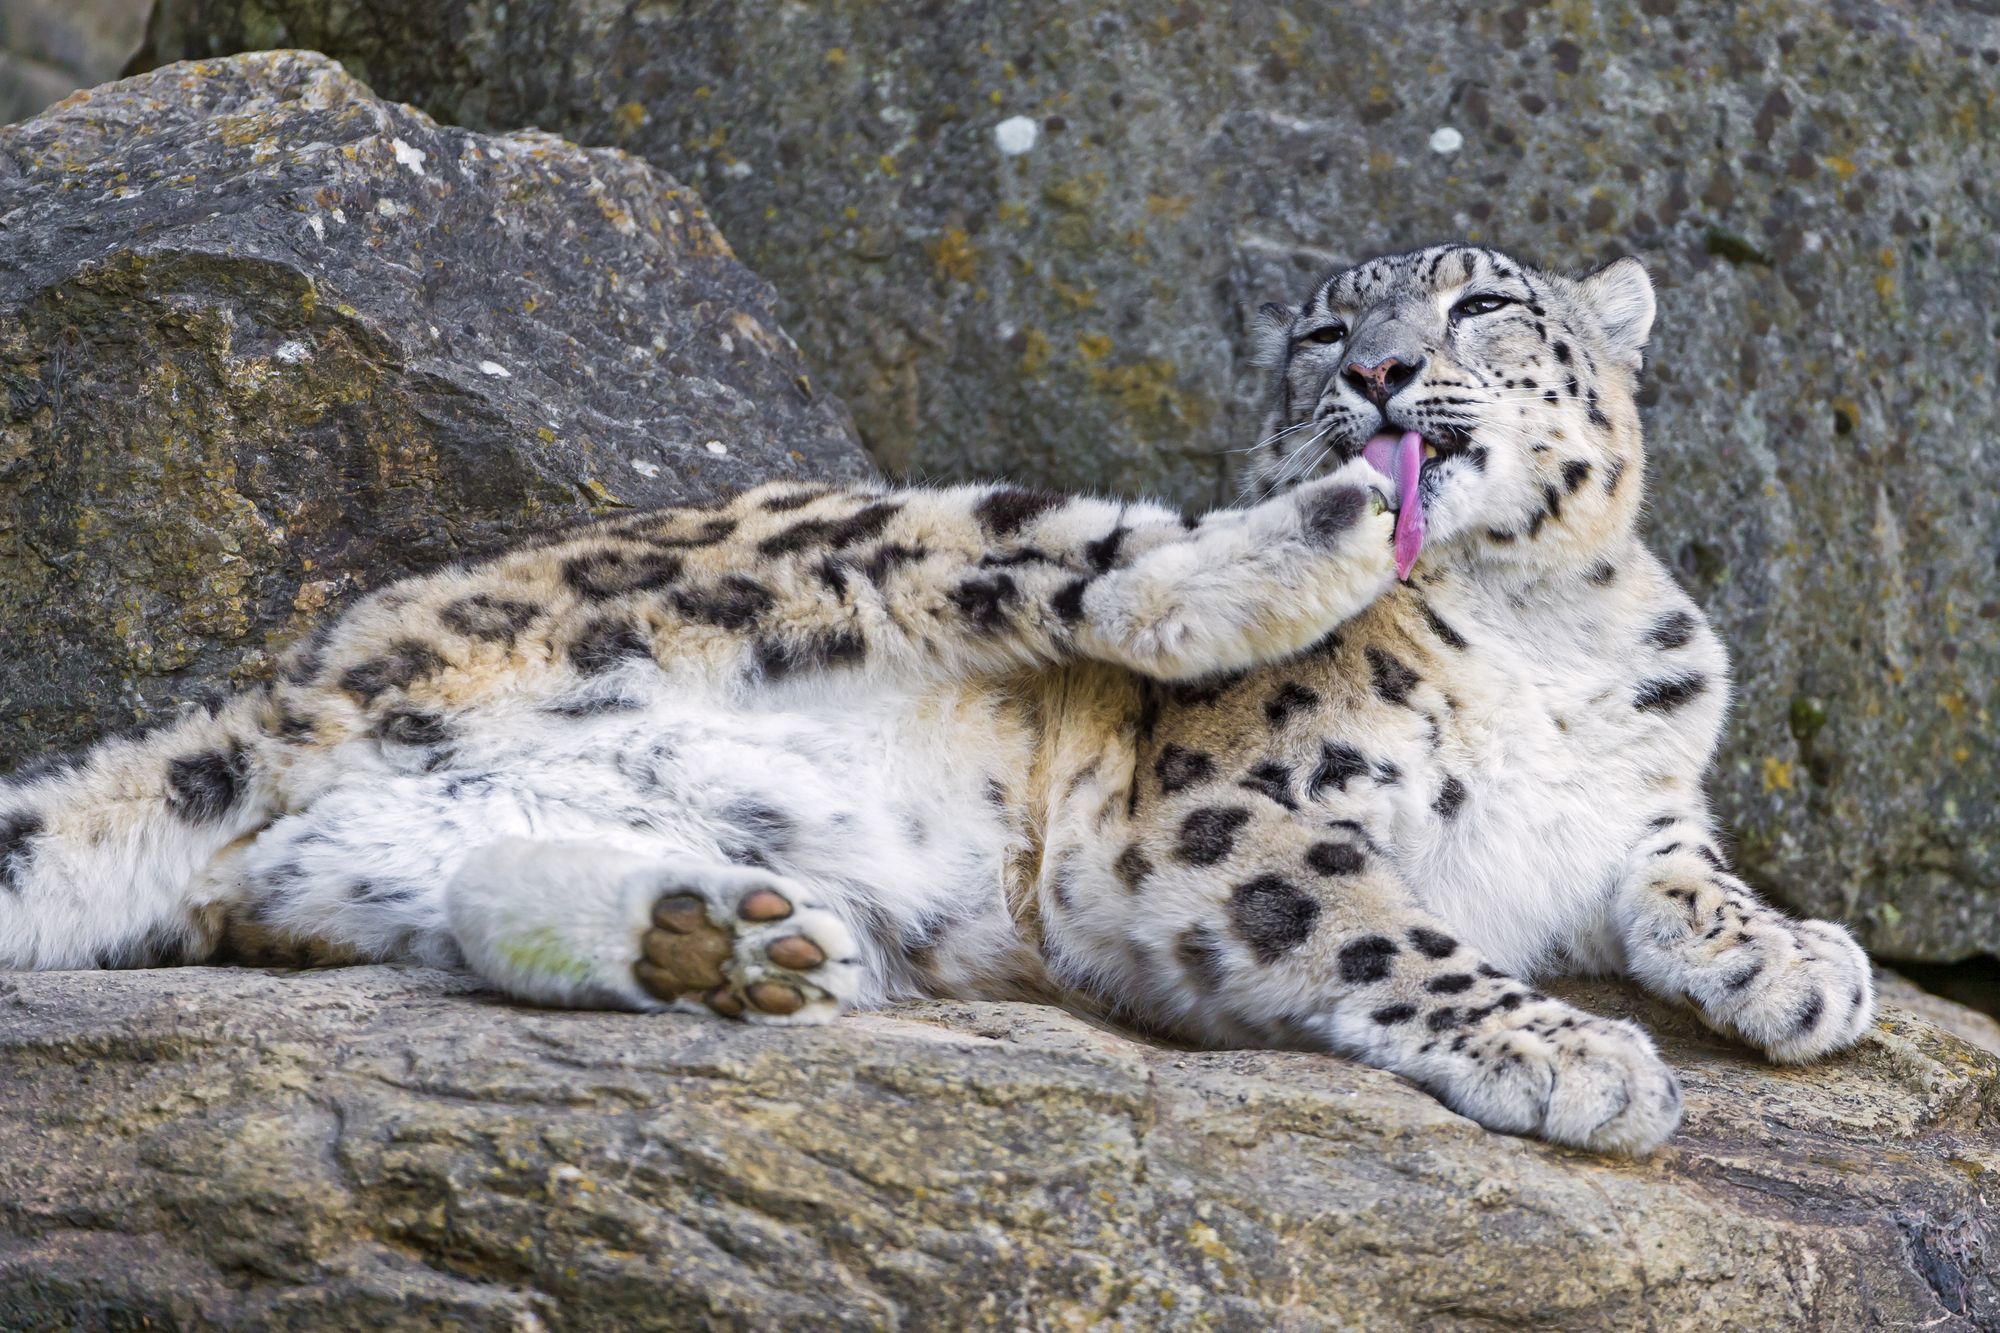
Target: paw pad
745	951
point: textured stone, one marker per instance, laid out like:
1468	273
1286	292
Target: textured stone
49	48
1812	186
266	340
388	1148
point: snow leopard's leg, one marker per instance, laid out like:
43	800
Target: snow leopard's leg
1796	990
522	877
1231	918
986	578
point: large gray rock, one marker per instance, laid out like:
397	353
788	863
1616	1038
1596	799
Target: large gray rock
1812	185
266	340
381	1148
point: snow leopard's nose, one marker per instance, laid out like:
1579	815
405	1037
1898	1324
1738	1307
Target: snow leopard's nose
1383	380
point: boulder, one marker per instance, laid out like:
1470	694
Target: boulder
390	1148
266	340
1026	239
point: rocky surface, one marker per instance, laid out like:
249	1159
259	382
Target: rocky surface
388	1148
266	340
50	48
1812	185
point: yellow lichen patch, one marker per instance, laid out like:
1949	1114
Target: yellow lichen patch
1148	393
953	256
1034	351
1076	298
1840	166
1953	704
1093	346
629	117
1777	774
1168	205
835	56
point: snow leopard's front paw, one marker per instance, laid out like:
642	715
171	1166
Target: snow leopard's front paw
1796	990
1569	1077
745	944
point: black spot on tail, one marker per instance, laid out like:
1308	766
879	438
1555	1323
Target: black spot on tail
1370	958
1272	916
15	833
711	532
1575	472
1669	695
1209	834
1179	769
1393	680
605	642
487	618
1103	553
1068	601
1809	1013
406	663
734	603
1338	764
984	601
1006	511
863	525
1391	1014
1451	983
202	788
784	504
599	575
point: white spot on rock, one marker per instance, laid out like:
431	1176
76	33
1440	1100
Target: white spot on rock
645	469
293	352
716	447
1016	135
495	369
413	158
388	208
737	170
318	225
1445	140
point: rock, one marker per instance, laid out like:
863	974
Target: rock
266	340
1026	239
389	1148
1961	1021
49	48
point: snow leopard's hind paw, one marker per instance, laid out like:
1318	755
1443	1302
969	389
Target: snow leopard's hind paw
591	927
746	950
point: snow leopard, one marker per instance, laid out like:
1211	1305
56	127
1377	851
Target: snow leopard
1349	766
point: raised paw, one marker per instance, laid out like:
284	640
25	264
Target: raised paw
1566	1076
743	945
1795	990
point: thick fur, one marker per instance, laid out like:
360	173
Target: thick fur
1225	778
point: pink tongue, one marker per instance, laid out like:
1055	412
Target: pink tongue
1404	460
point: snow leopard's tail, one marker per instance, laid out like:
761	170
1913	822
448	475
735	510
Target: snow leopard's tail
113	857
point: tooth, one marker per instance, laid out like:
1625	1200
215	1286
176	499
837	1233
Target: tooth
1430	451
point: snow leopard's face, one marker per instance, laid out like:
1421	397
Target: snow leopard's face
1496	401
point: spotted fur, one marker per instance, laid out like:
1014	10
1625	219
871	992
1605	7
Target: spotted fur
816	748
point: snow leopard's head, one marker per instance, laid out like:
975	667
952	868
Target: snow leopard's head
1496	400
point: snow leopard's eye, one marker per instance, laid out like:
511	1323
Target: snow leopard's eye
1330	333
1480	305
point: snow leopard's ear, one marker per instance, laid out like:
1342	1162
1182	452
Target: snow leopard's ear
1622	296
1271	335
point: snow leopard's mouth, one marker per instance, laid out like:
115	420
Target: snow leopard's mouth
1404	459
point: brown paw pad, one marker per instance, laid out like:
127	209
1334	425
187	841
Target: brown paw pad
725	1002
683	953
775	997
795	952
764	905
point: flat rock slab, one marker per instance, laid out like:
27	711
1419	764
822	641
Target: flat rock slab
391	1148
266	339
